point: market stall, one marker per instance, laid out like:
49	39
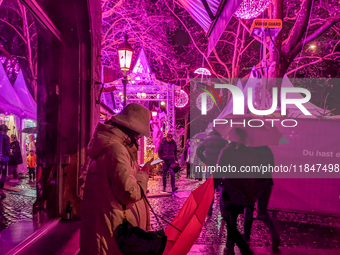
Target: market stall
18	110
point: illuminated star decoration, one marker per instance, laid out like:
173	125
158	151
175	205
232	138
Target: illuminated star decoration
210	101
203	71
181	98
250	9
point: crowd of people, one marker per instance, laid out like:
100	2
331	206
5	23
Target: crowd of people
237	195
11	157
113	150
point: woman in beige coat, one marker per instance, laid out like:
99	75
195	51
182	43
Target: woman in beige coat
114	179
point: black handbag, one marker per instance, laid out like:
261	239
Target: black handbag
136	241
175	167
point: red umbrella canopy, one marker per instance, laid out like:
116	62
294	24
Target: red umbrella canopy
189	220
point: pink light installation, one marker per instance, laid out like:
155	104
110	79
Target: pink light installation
250	9
181	98
203	71
210	102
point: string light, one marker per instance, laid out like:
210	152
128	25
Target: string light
250	9
210	101
181	98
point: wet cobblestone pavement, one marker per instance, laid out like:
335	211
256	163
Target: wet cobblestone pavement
18	204
297	230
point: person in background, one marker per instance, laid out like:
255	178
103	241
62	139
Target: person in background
31	144
4	157
187	157
168	152
264	185
31	163
237	192
15	158
211	147
197	160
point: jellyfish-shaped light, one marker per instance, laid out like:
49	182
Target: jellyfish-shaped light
203	71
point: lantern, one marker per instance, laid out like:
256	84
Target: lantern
125	52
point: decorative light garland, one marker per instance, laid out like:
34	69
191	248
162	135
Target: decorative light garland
210	101
250	9
181	98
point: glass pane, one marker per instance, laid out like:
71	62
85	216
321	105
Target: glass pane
29	107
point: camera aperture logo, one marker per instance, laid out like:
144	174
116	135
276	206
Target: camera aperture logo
204	97
239	104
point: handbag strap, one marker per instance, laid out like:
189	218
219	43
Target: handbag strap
156	216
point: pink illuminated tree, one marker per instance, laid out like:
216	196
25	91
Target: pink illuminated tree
308	45
149	25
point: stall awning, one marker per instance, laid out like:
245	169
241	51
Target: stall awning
23	93
10	103
199	12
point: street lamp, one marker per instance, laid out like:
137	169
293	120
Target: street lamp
125	52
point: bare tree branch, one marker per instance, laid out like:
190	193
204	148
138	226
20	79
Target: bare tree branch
313	62
221	62
16	30
296	33
313	36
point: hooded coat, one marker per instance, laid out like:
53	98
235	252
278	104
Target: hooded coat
113	179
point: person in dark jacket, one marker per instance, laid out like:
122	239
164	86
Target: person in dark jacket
168	152
15	158
263	186
237	192
4	156
212	147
